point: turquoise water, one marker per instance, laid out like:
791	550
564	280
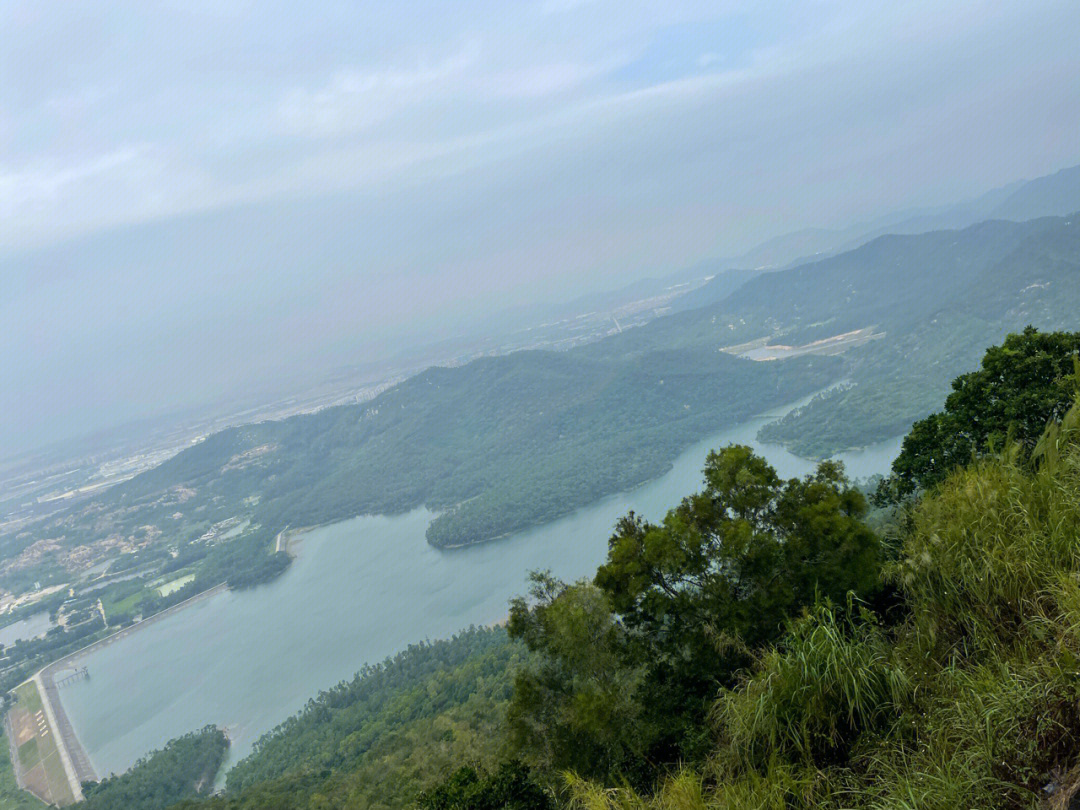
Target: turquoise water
358	591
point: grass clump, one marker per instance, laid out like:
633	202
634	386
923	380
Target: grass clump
832	680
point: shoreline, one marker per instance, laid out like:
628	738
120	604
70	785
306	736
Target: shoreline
78	767
286	536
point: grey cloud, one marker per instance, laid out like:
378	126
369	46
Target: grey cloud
413	184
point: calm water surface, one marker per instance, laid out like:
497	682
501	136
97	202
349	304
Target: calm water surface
358	591
32	626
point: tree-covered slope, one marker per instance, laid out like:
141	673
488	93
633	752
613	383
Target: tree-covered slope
185	768
934	301
518	439
891	282
763	646
497	445
962	693
394	730
901	378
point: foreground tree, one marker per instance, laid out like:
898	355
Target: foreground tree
970	701
632	661
1024	384
720	576
574	708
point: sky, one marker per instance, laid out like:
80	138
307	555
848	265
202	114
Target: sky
197	197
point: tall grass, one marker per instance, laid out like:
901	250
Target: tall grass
831	680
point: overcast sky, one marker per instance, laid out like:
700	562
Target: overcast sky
195	194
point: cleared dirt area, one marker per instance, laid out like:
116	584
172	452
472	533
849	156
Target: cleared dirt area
762	349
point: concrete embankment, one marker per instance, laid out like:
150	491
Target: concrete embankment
76	762
287	535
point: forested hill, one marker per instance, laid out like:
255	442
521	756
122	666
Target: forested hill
928	304
901	377
893	280
770	644
515	440
497	445
887	283
508	442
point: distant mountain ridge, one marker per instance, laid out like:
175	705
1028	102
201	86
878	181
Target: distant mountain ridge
1055	194
935	300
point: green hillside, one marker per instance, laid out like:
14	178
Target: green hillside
394	730
940	332
498	445
769	644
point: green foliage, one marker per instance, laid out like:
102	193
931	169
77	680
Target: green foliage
830	680
1024	384
577	707
510	442
581	696
396	729
972	701
723	572
347	720
184	768
243	562
963	290
629	664
11	796
736	655
509	788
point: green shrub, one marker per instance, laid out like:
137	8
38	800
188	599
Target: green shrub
831	680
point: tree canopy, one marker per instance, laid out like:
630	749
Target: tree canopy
186	767
632	661
511	787
1021	386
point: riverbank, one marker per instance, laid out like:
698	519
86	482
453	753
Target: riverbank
37	762
73	758
13	796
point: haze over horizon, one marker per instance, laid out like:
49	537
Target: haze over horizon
277	192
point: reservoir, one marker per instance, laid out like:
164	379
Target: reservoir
357	592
